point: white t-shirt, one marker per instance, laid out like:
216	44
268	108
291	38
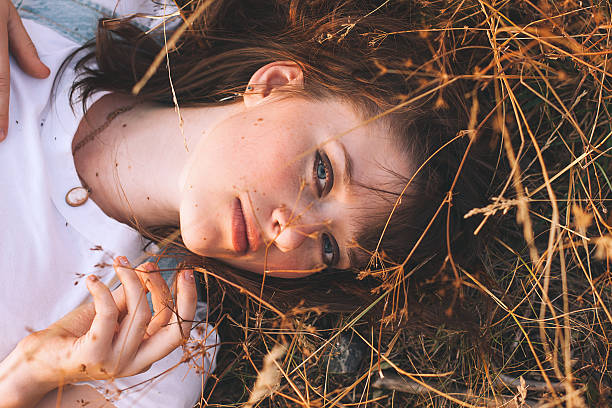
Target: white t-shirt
47	247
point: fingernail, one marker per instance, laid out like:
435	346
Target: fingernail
188	275
123	261
2	134
93	278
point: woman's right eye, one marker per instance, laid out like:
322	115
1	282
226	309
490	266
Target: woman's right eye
323	174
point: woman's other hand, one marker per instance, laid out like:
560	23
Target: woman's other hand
115	336
14	38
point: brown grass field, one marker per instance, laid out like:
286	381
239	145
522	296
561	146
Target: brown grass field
541	299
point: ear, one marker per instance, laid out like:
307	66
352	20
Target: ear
270	78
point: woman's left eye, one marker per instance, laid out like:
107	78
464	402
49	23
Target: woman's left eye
330	250
323	174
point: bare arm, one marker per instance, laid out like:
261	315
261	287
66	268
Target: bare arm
75	396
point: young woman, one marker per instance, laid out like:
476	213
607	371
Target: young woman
274	141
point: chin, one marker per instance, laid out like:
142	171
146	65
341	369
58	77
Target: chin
199	248
195	243
194	237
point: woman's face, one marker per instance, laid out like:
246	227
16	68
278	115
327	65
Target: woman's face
274	187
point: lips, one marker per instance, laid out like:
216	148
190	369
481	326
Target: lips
239	228
252	233
245	235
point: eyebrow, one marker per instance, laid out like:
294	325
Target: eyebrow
352	256
348	165
348	180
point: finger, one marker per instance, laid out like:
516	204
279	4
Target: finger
4	76
170	336
186	301
160	296
133	327
102	330
119	297
23	48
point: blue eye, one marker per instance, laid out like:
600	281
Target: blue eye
323	174
327	245
329	249
321	171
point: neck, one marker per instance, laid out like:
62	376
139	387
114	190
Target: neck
131	155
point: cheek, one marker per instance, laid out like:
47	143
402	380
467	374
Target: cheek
251	158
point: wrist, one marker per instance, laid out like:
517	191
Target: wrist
20	382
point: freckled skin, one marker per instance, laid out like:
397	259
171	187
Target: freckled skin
270	169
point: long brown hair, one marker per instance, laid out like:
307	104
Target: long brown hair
356	50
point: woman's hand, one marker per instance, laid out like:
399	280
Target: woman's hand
116	336
14	38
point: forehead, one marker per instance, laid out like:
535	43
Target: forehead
379	172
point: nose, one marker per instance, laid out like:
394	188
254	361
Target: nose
289	231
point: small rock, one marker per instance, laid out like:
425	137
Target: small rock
346	354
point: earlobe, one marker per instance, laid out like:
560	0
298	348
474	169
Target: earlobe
270	78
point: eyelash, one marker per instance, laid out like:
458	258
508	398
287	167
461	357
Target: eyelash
329	247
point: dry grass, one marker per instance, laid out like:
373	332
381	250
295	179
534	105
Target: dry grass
531	324
541	297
